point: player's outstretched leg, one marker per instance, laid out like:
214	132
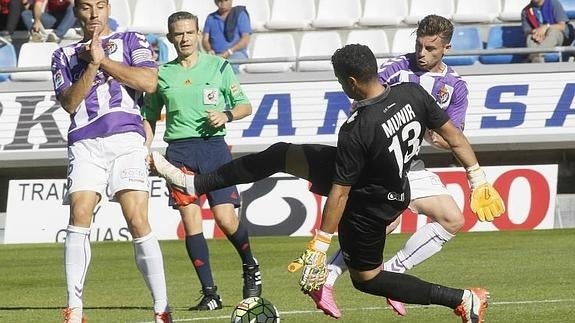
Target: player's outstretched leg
246	169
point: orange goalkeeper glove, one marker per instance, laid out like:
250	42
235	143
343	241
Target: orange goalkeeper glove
312	260
486	202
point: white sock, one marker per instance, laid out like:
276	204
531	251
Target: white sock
424	243
190	187
335	267
150	262
77	255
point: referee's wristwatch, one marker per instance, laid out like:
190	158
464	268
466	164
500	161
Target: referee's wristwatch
230	51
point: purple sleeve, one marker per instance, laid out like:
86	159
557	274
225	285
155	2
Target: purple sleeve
244	25
458	106
389	71
140	51
60	72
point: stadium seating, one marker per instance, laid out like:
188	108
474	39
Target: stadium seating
464	38
35	55
259	11
272	45
569	7
317	43
171	52
512	10
149	17
291	14
473	11
337	14
421	8
383	12
199	8
375	39
7	57
121	12
403	41
504	37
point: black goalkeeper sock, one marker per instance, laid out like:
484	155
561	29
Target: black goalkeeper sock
400	287
246	169
410	289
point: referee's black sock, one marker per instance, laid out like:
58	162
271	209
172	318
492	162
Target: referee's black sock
410	289
246	169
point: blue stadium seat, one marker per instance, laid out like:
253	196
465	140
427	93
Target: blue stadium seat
504	37
7	57
569	7
464	38
509	37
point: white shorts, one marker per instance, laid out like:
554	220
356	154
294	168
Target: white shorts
424	183
108	165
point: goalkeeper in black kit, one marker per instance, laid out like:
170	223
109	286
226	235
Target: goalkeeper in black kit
368	186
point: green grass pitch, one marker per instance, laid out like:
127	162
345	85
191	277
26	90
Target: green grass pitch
530	276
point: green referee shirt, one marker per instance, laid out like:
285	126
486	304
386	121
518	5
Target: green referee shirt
187	94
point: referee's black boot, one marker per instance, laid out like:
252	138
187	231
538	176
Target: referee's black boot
211	301
252	280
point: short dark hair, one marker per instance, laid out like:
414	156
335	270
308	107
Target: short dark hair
182	15
355	60
433	25
76	2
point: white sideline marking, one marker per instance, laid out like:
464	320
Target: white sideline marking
376	308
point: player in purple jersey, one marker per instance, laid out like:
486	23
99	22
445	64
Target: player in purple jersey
99	82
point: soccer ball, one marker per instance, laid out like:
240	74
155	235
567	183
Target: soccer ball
255	310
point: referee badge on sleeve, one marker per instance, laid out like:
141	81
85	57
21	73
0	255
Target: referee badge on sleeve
210	96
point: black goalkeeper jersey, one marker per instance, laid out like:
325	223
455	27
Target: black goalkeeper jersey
377	143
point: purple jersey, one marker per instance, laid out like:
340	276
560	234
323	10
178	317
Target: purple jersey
110	107
447	87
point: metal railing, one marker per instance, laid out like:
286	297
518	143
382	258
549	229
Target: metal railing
296	60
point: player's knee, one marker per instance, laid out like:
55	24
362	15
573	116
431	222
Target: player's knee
367	286
278	150
452	222
228	222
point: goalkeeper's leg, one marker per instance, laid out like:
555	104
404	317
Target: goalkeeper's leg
315	163
311	162
324	297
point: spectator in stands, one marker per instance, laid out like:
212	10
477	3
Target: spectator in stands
10	11
545	25
160	50
227	32
56	14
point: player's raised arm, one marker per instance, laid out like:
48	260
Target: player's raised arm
142	75
486	202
